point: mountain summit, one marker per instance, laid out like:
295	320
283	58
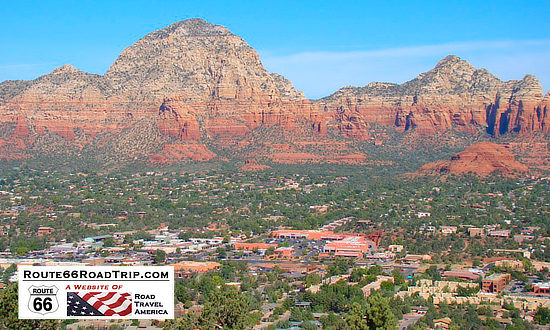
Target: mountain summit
193	59
194	27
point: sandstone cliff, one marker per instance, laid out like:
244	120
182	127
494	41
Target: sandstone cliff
454	94
543	112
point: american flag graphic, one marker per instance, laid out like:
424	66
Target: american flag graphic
98	304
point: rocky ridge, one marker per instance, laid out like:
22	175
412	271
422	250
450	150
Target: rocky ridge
453	95
197	90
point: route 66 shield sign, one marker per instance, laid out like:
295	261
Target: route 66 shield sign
43	299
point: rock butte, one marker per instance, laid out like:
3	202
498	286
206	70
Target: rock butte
252	165
188	89
481	158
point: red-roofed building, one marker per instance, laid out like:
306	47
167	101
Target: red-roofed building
187	268
541	288
253	246
341	244
44	231
284	252
315	235
500	233
465	275
307	234
495	282
348	254
354	246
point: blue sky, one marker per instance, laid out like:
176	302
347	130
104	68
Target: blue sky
319	45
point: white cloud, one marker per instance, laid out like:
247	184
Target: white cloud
321	73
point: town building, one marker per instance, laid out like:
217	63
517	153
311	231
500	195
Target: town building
463	275
447	230
443	323
541	288
253	246
185	269
373	286
495	282
473	231
307	234
356	247
44	231
395	248
284	252
499	233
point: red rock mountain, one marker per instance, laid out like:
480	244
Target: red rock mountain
193	90
454	94
480	158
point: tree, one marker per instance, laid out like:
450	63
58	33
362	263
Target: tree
398	277
527	265
542	316
357	274
159	256
333	321
375	270
462	291
9	318
226	309
355	318
307	325
340	266
108	242
8	273
433	273
187	321
375	315
312	279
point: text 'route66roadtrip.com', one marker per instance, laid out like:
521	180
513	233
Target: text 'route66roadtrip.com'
110	292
